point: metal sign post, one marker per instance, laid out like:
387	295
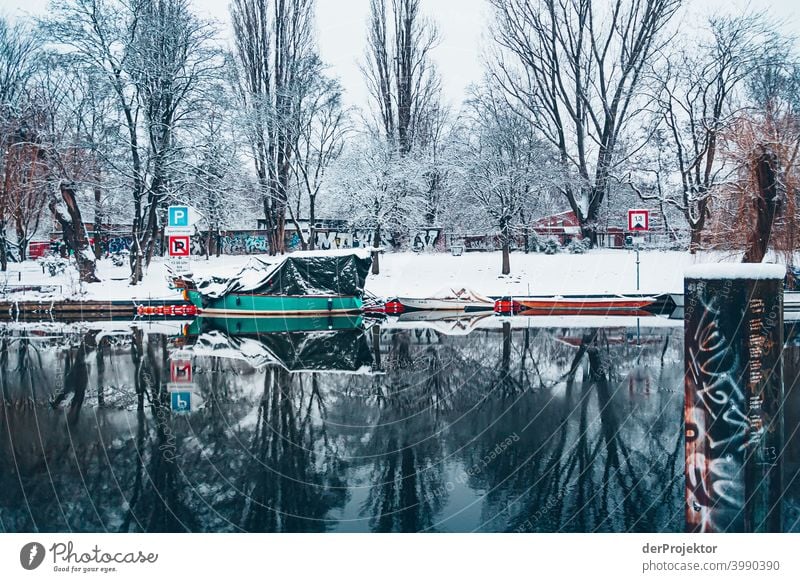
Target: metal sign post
179	231
638	221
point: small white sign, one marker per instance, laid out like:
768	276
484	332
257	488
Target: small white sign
178	230
180	264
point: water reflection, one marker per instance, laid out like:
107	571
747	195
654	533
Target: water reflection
517	425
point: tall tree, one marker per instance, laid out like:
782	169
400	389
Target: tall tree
154	56
276	63
18	48
698	96
502	163
402	81
575	67
319	142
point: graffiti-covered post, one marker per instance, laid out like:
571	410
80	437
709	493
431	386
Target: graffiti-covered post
733	409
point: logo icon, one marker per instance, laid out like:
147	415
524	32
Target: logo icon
31	555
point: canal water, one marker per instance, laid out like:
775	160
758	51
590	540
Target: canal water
498	425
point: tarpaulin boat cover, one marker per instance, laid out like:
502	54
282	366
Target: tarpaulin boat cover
338	350
321	273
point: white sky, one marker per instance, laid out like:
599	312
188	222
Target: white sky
462	24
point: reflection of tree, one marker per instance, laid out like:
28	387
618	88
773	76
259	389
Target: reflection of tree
285	485
586	458
407	487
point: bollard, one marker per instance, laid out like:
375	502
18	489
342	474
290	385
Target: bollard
733	408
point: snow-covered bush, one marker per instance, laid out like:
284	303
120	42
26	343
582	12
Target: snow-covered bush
120	258
578	246
535	242
54	264
551	246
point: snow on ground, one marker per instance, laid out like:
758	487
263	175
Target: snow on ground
402	274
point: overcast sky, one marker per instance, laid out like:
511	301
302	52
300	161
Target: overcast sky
462	24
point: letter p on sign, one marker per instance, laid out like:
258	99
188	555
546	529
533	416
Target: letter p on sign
178	216
179	246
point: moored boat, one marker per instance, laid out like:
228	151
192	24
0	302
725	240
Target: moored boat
584	305
329	283
450	299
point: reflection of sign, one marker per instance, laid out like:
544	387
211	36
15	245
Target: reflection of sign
179	246
178	216
181	401
180	371
638	220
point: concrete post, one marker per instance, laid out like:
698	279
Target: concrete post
733	410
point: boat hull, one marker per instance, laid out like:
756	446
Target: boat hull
414	304
585	305
259	324
236	305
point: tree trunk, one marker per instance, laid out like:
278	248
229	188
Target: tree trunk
98	219
65	210
696	233
506	249
376	243
3	248
312	216
766	203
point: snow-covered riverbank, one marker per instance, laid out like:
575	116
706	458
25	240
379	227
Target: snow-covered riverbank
404	274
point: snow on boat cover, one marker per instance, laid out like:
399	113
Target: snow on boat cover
341	273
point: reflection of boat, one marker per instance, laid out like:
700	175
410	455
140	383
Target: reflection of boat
446	322
449	299
328	283
337	350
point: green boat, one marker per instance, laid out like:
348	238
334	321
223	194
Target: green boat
259	324
301	284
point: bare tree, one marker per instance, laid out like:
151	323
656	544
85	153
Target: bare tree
319	142
502	163
698	97
402	81
757	206
575	67
155	58
276	60
18	47
378	189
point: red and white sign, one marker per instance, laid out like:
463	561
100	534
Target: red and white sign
180	371
638	219
179	246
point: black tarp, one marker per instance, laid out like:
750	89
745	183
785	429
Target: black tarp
318	275
322	273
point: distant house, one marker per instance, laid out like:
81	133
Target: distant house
564	226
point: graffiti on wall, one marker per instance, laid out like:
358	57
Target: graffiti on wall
118	243
243	244
425	240
727	450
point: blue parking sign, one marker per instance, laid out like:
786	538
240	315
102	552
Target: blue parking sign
181	401
178	216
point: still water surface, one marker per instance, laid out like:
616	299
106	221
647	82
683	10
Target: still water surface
400	427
